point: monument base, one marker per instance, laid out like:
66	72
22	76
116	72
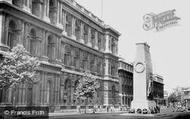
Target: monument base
143	104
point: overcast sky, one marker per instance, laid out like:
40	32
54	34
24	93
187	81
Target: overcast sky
170	48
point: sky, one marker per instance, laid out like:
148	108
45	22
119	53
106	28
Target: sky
170	48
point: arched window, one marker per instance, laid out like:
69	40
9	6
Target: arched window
51	47
12	36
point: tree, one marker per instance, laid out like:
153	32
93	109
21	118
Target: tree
16	67
172	98
176	96
87	87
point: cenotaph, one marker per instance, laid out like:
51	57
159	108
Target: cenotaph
142	78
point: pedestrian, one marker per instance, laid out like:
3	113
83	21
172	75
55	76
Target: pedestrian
79	109
107	108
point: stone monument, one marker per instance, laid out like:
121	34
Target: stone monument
142	77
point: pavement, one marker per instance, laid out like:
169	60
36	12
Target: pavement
121	115
77	113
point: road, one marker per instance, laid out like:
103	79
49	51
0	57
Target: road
172	115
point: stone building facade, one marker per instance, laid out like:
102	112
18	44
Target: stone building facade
69	40
125	71
158	89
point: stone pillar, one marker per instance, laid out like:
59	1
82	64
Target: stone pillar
64	23
73	28
106	67
45	43
26	6
107	50
26	37
59	9
2	21
96	40
89	37
19	32
105	93
59	49
81	33
116	47
46	11
38	9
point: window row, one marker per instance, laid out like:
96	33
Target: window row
73	27
81	59
71	56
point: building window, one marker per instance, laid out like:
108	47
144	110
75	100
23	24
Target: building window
85	34
100	41
32	41
85	60
35	43
76	84
77	29
68	90
113	91
12	36
93	37
51	47
113	46
52	11
76	59
35	7
92	61
99	66
67	56
81	59
68	24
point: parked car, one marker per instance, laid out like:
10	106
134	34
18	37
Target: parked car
144	111
188	109
132	111
139	111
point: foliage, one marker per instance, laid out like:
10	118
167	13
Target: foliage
176	96
87	86
172	98
17	67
